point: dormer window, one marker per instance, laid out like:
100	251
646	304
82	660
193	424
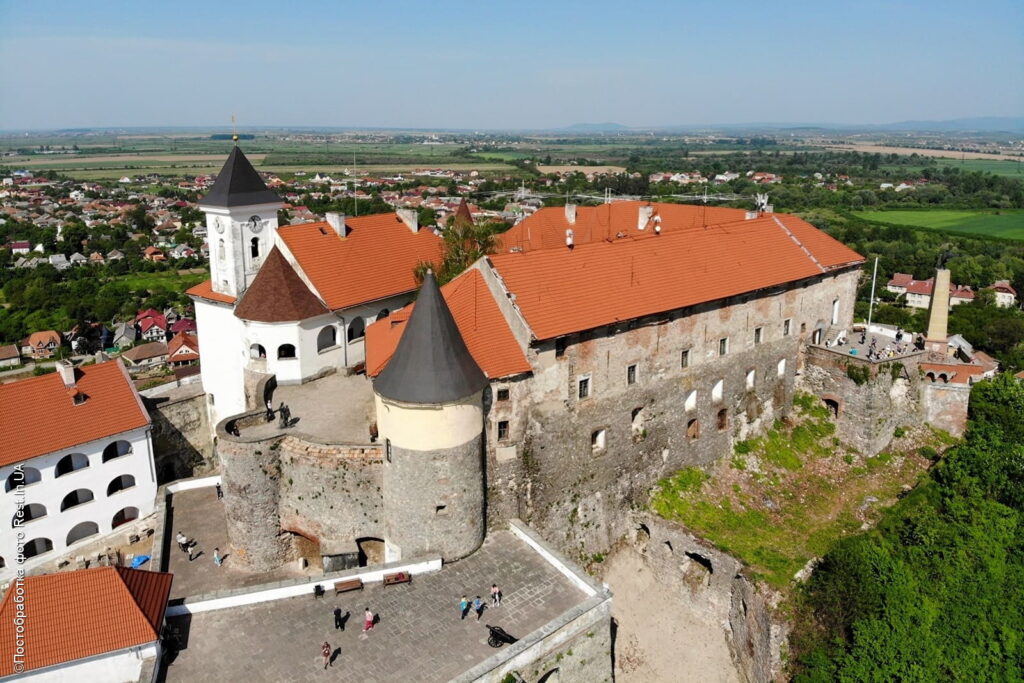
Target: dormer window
77	397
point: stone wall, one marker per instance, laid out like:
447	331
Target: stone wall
182	447
716	584
945	406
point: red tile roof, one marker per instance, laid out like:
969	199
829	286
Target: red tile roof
277	294
72	615
41	339
204	290
375	260
183	339
480	323
1004	286
901	279
560	291
32	407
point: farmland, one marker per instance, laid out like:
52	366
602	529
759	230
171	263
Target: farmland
1005	167
1004	223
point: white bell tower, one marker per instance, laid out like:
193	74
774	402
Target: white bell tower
241	221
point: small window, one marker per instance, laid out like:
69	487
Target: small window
693	429
285	351
782	368
440	509
835	311
387	449
502	394
254	247
684	359
723	420
723	346
751	378
631	374
716	391
758	335
560	345
583	387
597	440
326	338
691	401
787	327
502	430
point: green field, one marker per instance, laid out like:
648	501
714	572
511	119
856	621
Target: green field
1004	223
171	280
1011	169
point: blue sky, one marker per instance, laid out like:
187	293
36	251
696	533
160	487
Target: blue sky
525	64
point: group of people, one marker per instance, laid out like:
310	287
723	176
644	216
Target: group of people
369	619
478	605
284	414
187	545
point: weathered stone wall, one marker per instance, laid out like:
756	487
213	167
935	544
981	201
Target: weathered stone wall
434	500
182	447
945	406
887	396
716	584
547	471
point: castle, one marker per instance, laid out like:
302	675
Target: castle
555	381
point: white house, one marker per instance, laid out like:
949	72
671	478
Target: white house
100	624
77	461
1006	295
298	298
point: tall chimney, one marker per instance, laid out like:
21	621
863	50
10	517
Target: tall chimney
66	370
938	314
336	220
644	216
570	213
410	217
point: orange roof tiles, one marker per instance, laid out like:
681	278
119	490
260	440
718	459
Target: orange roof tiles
72	615
278	294
563	290
480	323
204	290
375	260
191	347
41	417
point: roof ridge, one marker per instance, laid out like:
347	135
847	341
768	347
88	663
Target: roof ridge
799	243
120	571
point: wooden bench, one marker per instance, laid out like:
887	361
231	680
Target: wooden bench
348	585
397	577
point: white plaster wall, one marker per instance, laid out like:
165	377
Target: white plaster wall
222	358
237	267
354	351
50	491
113	667
429	427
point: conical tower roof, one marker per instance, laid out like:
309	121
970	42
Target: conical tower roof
431	363
238	184
463	213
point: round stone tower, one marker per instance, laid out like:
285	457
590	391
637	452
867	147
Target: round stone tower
429	403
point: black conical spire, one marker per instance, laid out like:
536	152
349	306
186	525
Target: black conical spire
431	363
238	184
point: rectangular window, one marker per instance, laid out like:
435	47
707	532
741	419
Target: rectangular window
723	346
583	387
631	374
684	359
782	368
758	334
787	327
502	430
560	344
502	394
835	312
750	379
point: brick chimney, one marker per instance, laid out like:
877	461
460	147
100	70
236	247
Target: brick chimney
336	220
410	217
66	370
938	314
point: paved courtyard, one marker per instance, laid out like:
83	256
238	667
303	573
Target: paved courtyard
420	636
200	515
352	396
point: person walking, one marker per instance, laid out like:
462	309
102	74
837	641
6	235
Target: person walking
339	621
217	559
368	618
270	411
478	607
220	491
495	595
464	606
182	542
325	651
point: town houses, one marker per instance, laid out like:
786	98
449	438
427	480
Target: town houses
918	293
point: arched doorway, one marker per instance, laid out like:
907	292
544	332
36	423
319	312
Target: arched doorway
371	551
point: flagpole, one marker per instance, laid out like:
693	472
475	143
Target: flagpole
871	304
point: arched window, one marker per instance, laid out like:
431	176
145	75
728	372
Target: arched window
723	420
82	530
833	406
2	563
124	516
38	546
71	463
326	338
717	390
118	484
254	247
28	513
383	313
356	329
25	477
693	429
835	311
637	420
116	449
220	250
285	351
257	352
76	498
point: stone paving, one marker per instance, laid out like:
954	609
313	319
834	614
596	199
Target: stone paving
420	636
307	402
200	515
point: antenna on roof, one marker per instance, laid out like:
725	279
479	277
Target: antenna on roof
762	202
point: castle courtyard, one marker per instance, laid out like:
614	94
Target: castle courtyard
419	637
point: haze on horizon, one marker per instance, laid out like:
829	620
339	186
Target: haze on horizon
506	66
